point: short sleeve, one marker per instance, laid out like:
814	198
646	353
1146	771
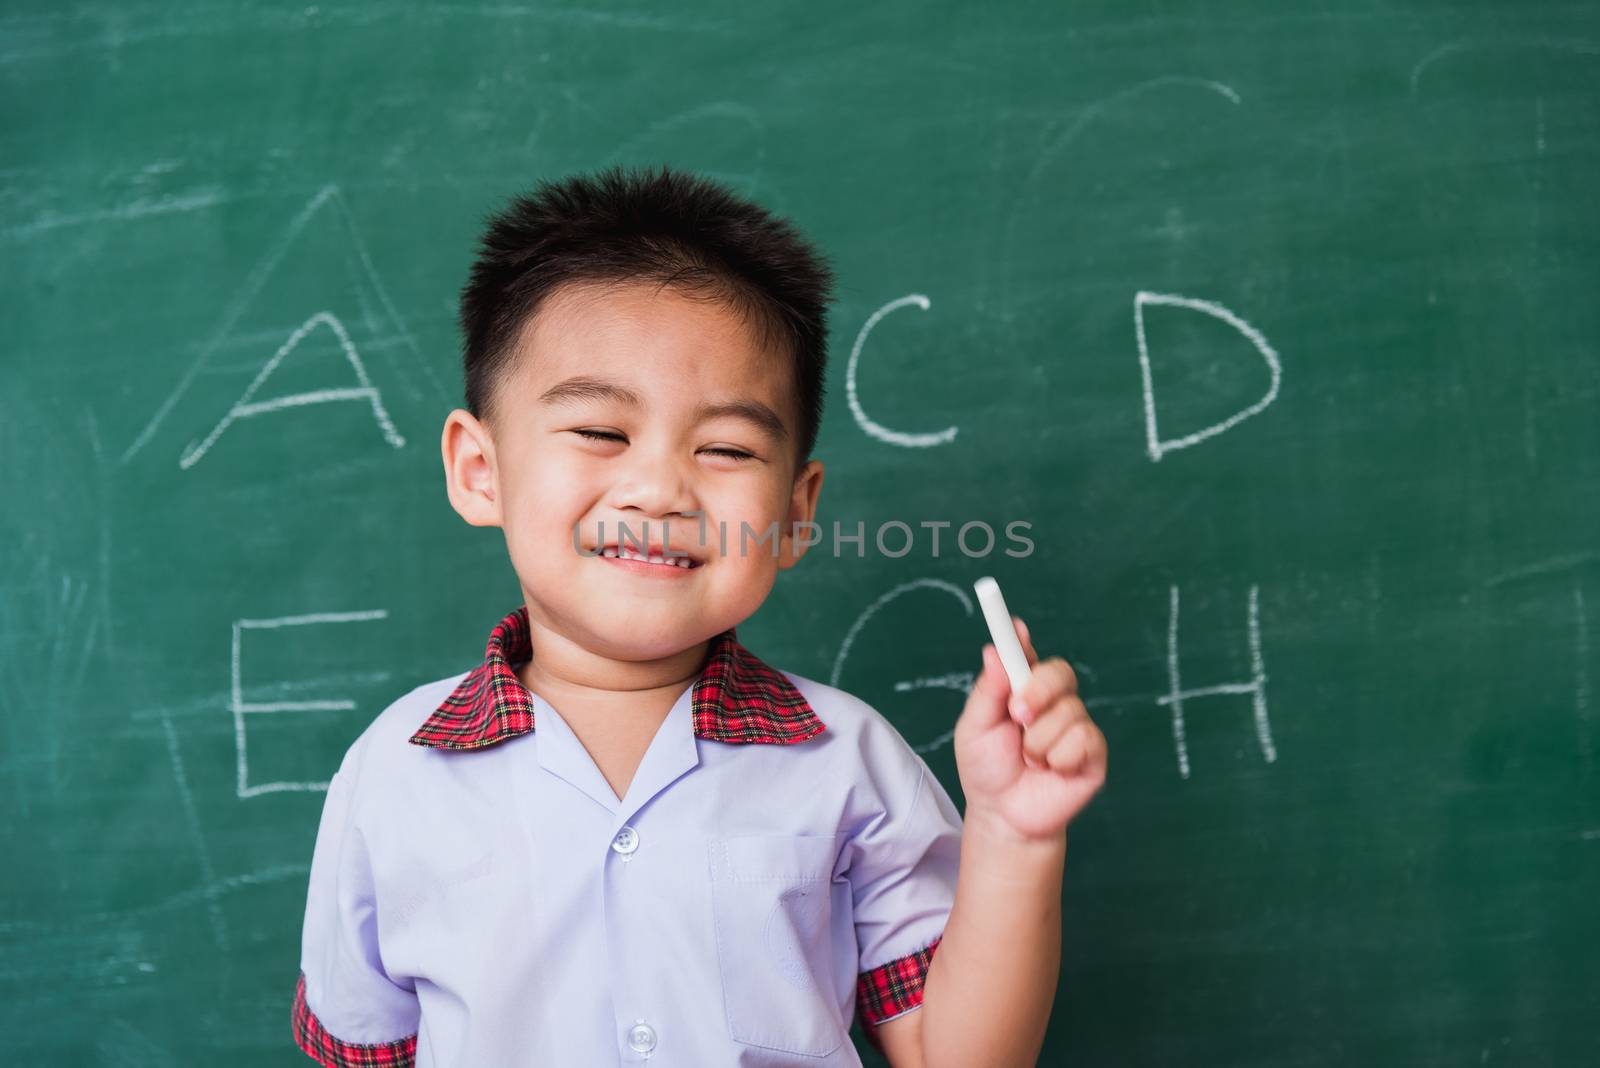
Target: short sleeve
902	872
347	1011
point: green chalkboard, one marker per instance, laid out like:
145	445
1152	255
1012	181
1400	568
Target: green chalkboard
1277	321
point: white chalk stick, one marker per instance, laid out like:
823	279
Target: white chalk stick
1004	633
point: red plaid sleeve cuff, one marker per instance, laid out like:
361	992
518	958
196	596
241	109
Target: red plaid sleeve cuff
890	989
330	1052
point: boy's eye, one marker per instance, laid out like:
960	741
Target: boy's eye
605	435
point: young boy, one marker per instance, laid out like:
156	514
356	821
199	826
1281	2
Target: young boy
623	837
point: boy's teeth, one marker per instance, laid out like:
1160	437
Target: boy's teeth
653	558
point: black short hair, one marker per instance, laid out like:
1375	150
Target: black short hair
662	226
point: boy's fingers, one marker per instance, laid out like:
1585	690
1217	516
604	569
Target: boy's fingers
1027	643
1071	751
1051	679
986	704
1091	760
1023	711
1044	732
1097	750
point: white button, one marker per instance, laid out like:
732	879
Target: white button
641	1037
626	841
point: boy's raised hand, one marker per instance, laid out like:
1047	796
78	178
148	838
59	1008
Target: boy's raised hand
1028	768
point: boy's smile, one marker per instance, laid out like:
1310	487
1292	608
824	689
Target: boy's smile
636	420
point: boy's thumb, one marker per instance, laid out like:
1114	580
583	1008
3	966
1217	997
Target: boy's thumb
986	703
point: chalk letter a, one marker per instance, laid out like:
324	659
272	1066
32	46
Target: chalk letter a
246	406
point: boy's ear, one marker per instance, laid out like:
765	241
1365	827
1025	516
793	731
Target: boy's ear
802	509
469	470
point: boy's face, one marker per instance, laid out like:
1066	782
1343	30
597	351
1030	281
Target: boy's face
604	420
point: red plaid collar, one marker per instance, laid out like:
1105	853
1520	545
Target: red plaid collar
737	697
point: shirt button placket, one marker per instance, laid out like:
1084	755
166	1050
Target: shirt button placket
641	1036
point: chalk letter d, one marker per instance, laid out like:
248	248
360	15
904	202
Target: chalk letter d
1156	447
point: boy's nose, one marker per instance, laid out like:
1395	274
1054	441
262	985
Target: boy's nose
655	490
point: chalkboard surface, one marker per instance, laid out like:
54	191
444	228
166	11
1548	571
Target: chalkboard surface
1277	322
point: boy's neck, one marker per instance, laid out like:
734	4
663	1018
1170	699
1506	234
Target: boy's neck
569	676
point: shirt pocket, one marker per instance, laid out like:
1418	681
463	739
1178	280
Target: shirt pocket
772	901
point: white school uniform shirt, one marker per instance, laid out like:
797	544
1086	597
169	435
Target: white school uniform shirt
783	862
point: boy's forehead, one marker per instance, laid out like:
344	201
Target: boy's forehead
646	336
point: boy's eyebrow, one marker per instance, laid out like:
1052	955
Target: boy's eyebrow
754	412
590	388
587	387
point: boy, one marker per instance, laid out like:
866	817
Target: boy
623	836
